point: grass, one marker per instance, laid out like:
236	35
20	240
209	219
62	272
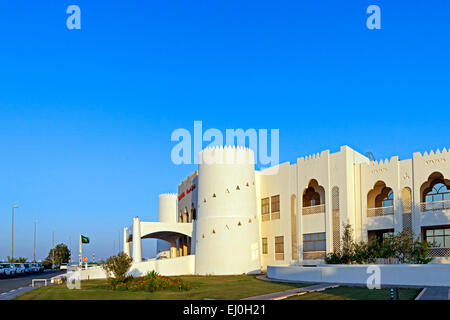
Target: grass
357	293
213	287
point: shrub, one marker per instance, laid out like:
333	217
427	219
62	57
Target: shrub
400	246
151	282
118	266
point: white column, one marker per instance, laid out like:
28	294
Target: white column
126	244
137	248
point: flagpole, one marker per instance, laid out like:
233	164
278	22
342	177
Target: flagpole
81	252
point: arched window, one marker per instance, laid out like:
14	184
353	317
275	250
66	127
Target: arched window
435	193
180	217
380	200
385	198
311	197
439	192
186	215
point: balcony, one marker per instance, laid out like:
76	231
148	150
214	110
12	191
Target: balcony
313	209
435	205
380	211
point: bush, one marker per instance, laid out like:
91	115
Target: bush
118	266
151	282
400	246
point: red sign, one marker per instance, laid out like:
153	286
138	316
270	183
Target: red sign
181	196
85	259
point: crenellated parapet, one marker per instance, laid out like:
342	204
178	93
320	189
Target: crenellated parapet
227	155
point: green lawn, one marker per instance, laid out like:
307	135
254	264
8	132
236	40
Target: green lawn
214	287
356	293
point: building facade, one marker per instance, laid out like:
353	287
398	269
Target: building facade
239	220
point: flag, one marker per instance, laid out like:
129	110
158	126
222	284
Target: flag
84	239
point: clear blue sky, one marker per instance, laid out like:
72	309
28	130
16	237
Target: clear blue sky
86	115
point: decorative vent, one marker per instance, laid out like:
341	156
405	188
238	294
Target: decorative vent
336	220
203	235
249	220
237	188
214	195
214	231
228	191
204	200
226	226
239	224
247	185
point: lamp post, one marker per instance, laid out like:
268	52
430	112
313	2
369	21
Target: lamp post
53	249
34	250
12	233
119	242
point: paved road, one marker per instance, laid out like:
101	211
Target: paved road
8	284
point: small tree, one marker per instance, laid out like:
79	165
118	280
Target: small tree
17	260
58	255
118	266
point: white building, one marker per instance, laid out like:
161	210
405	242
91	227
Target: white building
228	218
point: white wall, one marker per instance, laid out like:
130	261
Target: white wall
406	274
166	267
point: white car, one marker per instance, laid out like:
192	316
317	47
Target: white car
8	269
19	268
63	266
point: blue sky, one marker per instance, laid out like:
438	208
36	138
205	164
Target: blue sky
86	115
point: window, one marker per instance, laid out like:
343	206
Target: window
389	200
275	207
440	192
264	246
314	242
440	238
311	197
265	213
279	248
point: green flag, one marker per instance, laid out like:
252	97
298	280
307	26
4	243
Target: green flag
84	239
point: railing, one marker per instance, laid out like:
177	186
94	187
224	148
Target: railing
313	209
265	217
275	215
380	211
435	205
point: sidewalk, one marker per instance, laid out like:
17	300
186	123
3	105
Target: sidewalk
284	294
14	293
434	293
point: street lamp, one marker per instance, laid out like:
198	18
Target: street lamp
12	233
53	249
34	250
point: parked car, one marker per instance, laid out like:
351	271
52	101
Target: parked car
19	268
8	269
36	267
63	266
28	267
2	271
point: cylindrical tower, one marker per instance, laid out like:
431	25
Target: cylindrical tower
227	234
167	208
167	212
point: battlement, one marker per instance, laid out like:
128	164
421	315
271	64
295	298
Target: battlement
227	155
432	153
384	162
314	157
